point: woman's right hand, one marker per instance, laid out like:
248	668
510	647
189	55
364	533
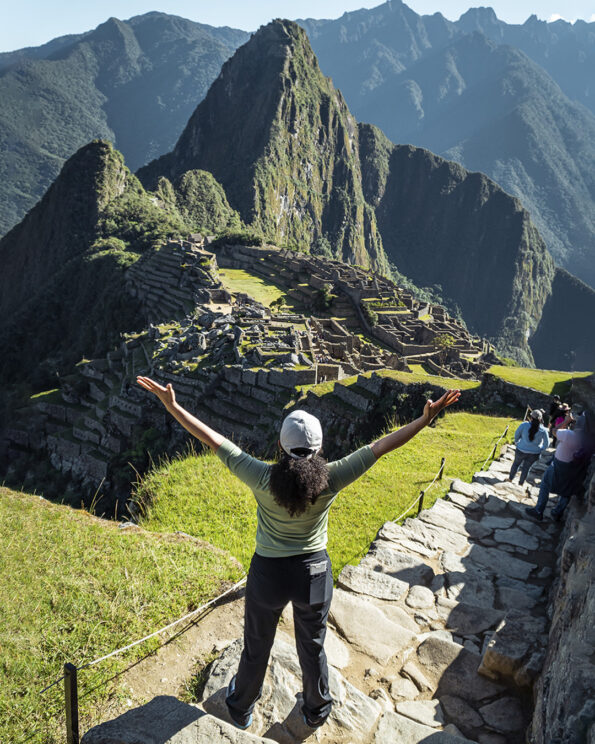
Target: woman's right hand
165	394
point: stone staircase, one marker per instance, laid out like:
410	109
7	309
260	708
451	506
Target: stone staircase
436	636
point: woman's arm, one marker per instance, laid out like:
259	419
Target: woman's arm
398	438
193	425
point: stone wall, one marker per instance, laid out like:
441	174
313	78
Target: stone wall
565	692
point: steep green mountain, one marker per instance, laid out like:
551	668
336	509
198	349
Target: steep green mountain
297	166
447	87
133	82
565	338
281	141
62	281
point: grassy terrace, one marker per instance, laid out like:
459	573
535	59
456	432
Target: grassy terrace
199	496
408	378
548	381
85	589
262	290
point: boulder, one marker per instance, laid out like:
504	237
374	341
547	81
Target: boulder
394	727
365	626
402	566
364	580
461	713
427	712
504	715
514	641
452	668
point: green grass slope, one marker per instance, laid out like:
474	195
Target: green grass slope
75	588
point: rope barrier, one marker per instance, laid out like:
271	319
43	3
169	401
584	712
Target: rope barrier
152	635
493	452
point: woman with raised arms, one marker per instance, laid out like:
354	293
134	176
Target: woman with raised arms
290	563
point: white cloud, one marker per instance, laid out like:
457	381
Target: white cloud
555	17
592	19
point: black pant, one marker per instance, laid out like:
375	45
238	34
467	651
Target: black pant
307	582
525	460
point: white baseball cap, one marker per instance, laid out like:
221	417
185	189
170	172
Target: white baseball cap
301	431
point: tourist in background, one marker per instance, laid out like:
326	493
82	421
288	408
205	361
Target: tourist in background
531	439
564	476
290	563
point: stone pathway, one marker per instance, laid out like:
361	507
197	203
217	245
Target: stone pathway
436	636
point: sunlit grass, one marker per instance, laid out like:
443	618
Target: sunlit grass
548	381
198	494
75	588
263	291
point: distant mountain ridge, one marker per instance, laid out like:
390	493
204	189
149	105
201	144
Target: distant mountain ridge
133	82
423	79
460	90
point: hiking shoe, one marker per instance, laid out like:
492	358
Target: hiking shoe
312	723
532	512
239	722
556	516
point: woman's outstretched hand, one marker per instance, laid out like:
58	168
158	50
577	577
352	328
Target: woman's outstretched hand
432	409
165	394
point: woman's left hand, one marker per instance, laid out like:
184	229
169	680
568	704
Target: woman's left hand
432	409
165	394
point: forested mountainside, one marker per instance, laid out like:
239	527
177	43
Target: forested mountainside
296	165
133	82
465	92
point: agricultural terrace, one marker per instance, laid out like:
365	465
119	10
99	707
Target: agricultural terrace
550	381
262	290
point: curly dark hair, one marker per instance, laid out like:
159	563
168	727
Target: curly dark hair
297	483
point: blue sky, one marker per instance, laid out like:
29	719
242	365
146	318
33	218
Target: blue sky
33	22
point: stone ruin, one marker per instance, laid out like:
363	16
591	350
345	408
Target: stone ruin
236	361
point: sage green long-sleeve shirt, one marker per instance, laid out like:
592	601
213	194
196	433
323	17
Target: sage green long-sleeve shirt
277	534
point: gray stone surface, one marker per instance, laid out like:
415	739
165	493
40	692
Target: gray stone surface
398	615
497	523
337	652
364	580
466	489
427	712
499	563
420	597
365	626
466	581
504	715
431	537
467	619
397	729
403	688
395	563
167	720
461	713
517	537
449	517
464	502
451	668
513	642
277	713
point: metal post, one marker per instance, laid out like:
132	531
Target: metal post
421	502
441	468
72	704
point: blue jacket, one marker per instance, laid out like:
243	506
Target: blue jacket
524	444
